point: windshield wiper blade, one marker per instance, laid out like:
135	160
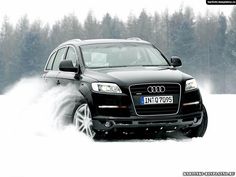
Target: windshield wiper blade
150	65
127	66
107	67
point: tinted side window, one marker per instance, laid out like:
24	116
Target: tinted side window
71	55
50	61
60	56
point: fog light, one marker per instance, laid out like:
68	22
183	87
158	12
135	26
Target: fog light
108	124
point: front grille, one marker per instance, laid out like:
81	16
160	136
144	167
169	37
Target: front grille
138	91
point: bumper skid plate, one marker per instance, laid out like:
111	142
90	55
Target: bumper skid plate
178	121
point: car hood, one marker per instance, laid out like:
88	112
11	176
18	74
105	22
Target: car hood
134	75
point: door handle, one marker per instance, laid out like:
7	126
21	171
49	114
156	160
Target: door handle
58	82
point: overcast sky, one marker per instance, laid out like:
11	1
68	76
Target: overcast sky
50	10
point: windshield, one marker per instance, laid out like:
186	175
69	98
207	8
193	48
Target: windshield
121	55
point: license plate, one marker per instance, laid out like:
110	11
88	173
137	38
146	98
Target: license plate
156	100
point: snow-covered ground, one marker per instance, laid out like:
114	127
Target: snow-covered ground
32	145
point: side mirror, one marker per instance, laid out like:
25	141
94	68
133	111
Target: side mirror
67	65
175	61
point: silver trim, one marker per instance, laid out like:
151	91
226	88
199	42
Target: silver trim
180	94
135	39
110	106
191	103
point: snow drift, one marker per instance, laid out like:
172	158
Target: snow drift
34	142
32	106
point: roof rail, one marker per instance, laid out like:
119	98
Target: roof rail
134	38
69	41
77	40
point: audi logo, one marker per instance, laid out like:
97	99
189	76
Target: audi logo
156	89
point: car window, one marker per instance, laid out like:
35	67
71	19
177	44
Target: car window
121	54
60	56
71	55
50	61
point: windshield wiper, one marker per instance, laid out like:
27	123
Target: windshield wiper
127	66
107	67
149	65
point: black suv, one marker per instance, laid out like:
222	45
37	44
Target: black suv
126	84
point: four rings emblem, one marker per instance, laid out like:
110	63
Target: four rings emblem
156	89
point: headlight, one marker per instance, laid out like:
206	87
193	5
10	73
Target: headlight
106	87
190	85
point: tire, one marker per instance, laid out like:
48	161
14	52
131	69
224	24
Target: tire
82	119
200	130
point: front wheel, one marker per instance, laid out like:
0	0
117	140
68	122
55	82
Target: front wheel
82	120
200	130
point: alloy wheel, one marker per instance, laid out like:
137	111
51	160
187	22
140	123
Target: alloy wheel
83	120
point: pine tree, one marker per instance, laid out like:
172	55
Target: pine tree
145	27
7	55
182	38
106	27
132	26
92	28
230	54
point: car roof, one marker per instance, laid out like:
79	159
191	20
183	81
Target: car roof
79	42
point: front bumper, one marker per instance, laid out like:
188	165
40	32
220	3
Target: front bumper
106	123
